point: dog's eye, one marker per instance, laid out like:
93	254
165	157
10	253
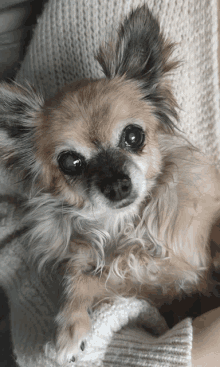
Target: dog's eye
133	137
71	163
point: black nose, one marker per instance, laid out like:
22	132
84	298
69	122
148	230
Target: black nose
116	189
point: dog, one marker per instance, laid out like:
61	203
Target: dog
115	193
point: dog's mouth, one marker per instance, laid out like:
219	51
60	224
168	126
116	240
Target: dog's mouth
124	203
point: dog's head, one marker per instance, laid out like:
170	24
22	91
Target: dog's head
95	144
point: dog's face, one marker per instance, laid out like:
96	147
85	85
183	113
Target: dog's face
95	144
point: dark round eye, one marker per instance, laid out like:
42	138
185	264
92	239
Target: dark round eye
133	137
71	163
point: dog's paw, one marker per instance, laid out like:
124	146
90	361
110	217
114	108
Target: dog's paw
70	338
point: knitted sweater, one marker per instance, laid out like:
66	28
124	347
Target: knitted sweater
66	37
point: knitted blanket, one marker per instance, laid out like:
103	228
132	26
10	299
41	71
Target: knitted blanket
66	37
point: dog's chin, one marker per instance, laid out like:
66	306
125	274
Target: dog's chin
104	210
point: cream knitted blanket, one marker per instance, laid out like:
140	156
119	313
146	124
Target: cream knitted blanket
66	37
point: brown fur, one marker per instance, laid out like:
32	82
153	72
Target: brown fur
185	182
133	221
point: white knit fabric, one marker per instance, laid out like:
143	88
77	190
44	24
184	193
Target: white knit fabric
108	320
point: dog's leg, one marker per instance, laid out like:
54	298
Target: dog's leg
82	289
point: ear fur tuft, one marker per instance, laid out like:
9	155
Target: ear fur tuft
141	54
19	108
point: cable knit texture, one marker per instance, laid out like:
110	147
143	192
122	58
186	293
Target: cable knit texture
66	37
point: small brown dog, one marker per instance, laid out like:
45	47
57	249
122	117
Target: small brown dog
114	189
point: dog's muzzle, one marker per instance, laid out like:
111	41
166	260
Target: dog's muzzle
108	175
116	188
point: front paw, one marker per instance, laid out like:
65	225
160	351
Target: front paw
70	337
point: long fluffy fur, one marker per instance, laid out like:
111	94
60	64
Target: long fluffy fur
156	245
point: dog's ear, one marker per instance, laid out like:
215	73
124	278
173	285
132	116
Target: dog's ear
19	110
141	53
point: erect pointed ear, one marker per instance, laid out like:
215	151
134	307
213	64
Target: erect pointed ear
19	110
140	53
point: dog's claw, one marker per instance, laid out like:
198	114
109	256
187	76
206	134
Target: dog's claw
70	338
82	346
